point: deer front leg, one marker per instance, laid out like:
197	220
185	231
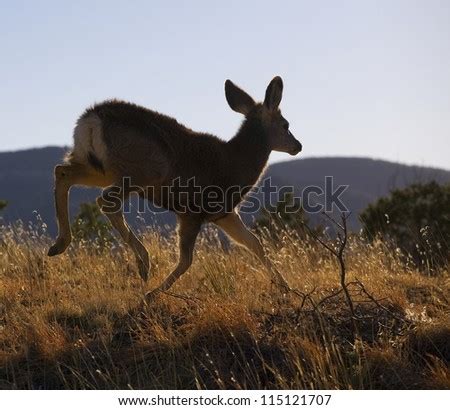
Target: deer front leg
233	226
110	203
188	229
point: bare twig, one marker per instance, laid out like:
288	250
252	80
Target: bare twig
328	297
376	302
186	298
340	257
341	227
339	254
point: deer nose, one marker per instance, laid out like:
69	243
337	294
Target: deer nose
298	147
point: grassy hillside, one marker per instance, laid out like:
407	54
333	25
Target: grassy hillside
77	321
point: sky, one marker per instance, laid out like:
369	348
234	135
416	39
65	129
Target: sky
361	78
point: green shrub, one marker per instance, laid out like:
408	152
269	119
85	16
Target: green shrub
285	215
90	225
417	220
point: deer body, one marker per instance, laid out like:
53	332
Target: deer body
116	140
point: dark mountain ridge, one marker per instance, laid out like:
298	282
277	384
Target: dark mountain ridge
26	182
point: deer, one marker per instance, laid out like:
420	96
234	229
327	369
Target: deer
114	140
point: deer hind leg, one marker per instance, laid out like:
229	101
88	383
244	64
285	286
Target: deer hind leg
233	226
110	204
188	229
66	175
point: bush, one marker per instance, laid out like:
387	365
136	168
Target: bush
90	225
285	215
417	220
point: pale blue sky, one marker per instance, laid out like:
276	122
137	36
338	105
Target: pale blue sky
362	78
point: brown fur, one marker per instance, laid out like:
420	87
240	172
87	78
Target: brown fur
117	139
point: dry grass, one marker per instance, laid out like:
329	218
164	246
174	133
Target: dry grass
76	321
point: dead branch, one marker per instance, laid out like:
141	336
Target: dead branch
338	253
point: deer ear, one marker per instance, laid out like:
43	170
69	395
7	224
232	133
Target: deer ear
238	99
274	93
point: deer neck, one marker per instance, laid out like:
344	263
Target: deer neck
249	152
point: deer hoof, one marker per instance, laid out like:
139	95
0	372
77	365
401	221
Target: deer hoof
151	295
59	247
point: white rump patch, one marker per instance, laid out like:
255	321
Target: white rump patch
88	137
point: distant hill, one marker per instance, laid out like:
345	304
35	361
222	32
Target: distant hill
26	181
367	179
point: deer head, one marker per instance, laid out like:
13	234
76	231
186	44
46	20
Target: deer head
267	114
